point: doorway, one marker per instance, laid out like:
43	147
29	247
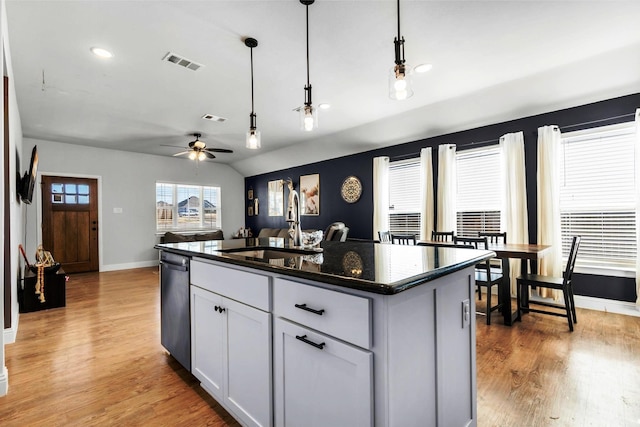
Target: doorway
70	221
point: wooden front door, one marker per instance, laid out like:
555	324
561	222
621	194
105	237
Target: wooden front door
70	222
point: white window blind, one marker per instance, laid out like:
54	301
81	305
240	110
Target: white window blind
479	193
187	207
404	196
597	201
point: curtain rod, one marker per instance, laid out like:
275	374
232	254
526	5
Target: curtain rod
598	121
497	140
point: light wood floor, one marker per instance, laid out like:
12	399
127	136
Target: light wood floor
99	362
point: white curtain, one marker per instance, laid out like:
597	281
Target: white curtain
447	187
549	140
426	194
638	207
514	214
380	195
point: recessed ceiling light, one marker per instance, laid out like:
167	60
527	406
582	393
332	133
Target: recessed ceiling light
422	68
324	106
102	53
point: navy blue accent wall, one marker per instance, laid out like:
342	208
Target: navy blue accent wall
359	216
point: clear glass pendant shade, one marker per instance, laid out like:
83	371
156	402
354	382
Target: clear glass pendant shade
253	139
308	118
400	82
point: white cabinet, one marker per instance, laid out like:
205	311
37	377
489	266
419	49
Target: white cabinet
231	352
320	381
406	359
207	341
337	356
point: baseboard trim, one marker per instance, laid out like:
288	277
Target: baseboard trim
128	266
4	381
607	305
10	334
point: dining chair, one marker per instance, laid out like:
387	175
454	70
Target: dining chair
443	236
563	284
485	275
494	237
496	263
403	239
384	236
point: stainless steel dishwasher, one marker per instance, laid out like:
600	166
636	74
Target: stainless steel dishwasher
175	324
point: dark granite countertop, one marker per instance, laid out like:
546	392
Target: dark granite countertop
373	267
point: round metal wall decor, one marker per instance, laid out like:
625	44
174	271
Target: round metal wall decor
351	189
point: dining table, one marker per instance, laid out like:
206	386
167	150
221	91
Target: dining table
526	252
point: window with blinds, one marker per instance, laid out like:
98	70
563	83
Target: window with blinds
597	199
404	196
479	199
187	207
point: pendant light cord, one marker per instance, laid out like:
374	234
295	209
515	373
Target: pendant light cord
398	20
251	50
307	7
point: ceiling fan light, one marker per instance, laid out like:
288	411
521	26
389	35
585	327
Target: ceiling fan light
253	139
201	156
192	155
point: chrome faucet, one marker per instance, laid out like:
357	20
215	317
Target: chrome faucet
293	215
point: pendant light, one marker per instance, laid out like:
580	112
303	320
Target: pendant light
400	76
253	135
308	114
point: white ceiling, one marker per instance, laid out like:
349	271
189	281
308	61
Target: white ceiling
492	61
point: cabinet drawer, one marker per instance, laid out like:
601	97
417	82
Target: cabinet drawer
248	288
344	316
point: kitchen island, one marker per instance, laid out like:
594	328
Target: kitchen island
346	334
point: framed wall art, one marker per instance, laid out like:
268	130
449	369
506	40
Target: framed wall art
276	197
310	194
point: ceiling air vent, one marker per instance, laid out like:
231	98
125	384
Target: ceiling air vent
182	61
214	118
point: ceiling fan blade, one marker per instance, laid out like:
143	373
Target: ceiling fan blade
174	146
181	153
218	150
209	155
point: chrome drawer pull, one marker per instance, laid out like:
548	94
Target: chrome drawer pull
305	340
304	307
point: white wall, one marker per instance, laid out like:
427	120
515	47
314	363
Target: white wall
127	180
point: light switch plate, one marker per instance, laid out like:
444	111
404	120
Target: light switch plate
117	210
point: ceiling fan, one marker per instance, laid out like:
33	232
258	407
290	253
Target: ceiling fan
197	150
